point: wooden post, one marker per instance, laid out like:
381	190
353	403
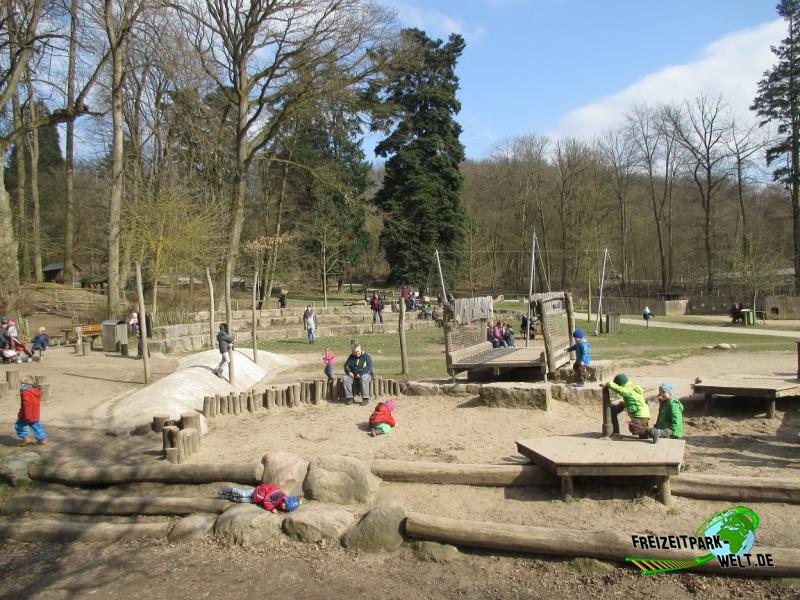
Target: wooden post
255	339
664	491
167	436
608	427
212	333
250	406
296	394
173	432
401	328
87	348
566	488
158	422
171	454
770	408
798	359
269	398
229	319
143	333
707	404
207	412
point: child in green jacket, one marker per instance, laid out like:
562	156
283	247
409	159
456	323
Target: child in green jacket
633	402
670	415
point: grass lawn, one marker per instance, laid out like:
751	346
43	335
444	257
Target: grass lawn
723	321
426	347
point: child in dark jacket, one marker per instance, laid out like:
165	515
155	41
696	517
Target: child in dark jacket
225	342
41	342
381	420
29	413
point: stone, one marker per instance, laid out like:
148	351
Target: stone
585	396
314	524
599	370
286	470
247	525
340	480
435	552
723	346
422	388
193	527
14	468
379	531
516	395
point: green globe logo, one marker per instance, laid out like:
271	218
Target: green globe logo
736	527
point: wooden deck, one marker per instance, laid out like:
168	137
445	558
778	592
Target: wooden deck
767	389
592	455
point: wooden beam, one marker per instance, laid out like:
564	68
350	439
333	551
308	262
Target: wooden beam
49	530
735	488
101	504
604	545
462	474
163	473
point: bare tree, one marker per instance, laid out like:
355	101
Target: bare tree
33	152
618	150
742	145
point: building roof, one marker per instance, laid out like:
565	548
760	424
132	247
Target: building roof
57	266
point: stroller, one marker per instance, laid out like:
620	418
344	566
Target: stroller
19	349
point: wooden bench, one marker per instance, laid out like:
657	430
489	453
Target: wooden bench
467	348
91	331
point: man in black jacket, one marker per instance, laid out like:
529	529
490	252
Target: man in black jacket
357	368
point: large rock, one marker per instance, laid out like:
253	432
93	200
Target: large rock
193	527
599	370
435	552
516	395
422	388
247	525
14	468
340	480
286	470
312	525
379	531
589	395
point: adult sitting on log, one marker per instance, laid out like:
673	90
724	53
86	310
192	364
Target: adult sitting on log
357	368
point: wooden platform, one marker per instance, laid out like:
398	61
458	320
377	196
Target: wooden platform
767	389
504	358
591	455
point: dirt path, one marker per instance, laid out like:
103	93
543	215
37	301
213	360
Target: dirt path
710	328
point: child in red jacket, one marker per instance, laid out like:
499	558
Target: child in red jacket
381	420
30	400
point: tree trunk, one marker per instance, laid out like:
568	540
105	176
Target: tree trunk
115	204
143	333
324	276
9	263
19	192
34	154
276	242
255	319
795	188
69	159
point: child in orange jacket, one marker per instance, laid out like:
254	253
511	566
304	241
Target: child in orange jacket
29	412
381	420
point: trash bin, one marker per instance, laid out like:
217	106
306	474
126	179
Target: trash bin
612	323
748	316
114	334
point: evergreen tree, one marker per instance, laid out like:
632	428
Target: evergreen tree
51	159
420	195
778	101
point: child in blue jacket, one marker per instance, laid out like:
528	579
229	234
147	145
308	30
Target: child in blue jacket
582	357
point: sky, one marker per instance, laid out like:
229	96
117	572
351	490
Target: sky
574	67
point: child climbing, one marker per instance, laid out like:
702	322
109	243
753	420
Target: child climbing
328	359
633	402
582	357
381	420
29	413
669	423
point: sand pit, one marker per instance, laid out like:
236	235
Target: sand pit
184	389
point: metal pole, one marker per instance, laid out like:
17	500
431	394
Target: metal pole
441	277
600	298
530	286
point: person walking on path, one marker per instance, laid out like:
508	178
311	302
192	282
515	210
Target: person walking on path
647	314
30	396
357	369
225	342
310	323
376	303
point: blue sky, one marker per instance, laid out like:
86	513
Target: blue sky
572	67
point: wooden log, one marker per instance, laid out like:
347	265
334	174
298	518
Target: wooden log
242	403
736	488
196	441
187	442
168	437
283	396
664	494
217	405
233	403
566	488
251	407
223	405
190	420
49	530
305	392
396	390
462	474
158	422
171	454
142	429
103	504
297	390
319	390
249	474
12	377
207	407
269	398
603	545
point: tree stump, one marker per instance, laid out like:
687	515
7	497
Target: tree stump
251	407
167	436
242	403
289	396
269	398
233	403
297	391
142	429
12	377
158	422
207	407
174	435
171	454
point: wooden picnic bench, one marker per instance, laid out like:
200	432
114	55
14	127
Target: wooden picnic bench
92	331
766	390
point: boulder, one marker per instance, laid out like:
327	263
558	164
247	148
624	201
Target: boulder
247	525
589	395
14	468
379	531
312	525
340	480
285	470
422	388
193	527
435	552
516	395
723	346
599	370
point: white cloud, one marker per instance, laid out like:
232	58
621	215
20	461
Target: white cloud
433	22
730	66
